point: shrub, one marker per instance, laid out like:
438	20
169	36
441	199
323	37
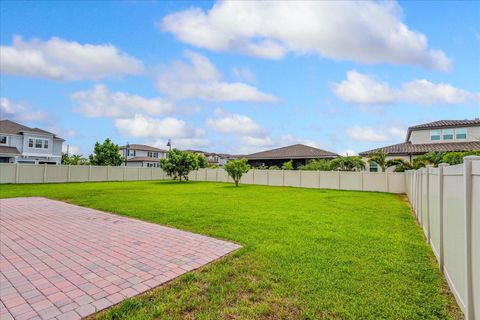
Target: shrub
457	157
236	168
274	168
287	165
349	163
106	154
317	165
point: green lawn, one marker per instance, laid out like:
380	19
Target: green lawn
307	254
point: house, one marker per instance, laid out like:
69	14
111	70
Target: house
299	154
219	159
140	155
22	144
442	135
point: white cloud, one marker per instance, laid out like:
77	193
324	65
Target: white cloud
20	112
141	126
232	123
100	102
201	79
364	31
365	89
244	74
370	134
348	152
58	59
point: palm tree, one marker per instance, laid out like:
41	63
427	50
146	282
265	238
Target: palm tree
400	164
378	157
349	163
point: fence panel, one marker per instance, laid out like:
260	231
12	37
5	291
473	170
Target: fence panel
351	180
57	174
248	177
116	173
329	180
260	177
292	178
396	182
374	181
275	177
476	237
310	179
8	172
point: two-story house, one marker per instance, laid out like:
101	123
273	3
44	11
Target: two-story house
442	135
140	155
22	144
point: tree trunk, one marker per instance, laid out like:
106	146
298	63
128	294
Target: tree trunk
236	182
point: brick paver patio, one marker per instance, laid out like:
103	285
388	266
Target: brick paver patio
61	261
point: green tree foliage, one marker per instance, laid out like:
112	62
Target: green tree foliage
236	169
317	165
457	157
74	159
106	154
178	164
349	163
202	160
273	168
400	164
288	165
378	157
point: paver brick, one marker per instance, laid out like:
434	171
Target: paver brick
65	262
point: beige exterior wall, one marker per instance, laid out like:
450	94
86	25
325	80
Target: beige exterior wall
423	136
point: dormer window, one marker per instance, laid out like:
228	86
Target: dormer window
435	134
447	134
461	133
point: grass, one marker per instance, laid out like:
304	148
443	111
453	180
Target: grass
307	254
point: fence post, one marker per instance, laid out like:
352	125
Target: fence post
467	176
89	173
124	172
441	260
339	180
138	173
151	173
108	173
300	173
283	178
427	169
361	178
44	173
69	172
216	175
253	177
17	172
268	177
386	180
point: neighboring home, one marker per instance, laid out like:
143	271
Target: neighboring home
140	155
442	135
215	158
299	154
22	144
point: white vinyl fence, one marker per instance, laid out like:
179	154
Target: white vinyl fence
44	173
446	201
392	182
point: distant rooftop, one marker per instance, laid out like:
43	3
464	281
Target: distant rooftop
444	124
11	127
408	148
142	147
296	151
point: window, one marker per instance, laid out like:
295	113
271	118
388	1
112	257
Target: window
30	143
447	134
435	134
373	167
461	133
152	154
131	153
152	165
45	144
38	143
3	139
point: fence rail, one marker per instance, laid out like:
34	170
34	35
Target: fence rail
446	202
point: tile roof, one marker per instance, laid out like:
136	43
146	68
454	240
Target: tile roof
407	148
11	127
443	124
142	147
297	151
9	150
141	159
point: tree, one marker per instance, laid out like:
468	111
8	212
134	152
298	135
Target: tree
378	157
202	160
74	159
349	163
178	164
400	164
287	165
317	165
106	154
236	168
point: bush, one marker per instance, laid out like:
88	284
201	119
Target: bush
349	163
287	165
274	168
106	154
236	168
317	165
457	157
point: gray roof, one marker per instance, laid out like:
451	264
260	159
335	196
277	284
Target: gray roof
297	151
9	150
444	124
11	127
142	159
142	147
408	148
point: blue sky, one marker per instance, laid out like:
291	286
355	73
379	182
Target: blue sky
238	77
